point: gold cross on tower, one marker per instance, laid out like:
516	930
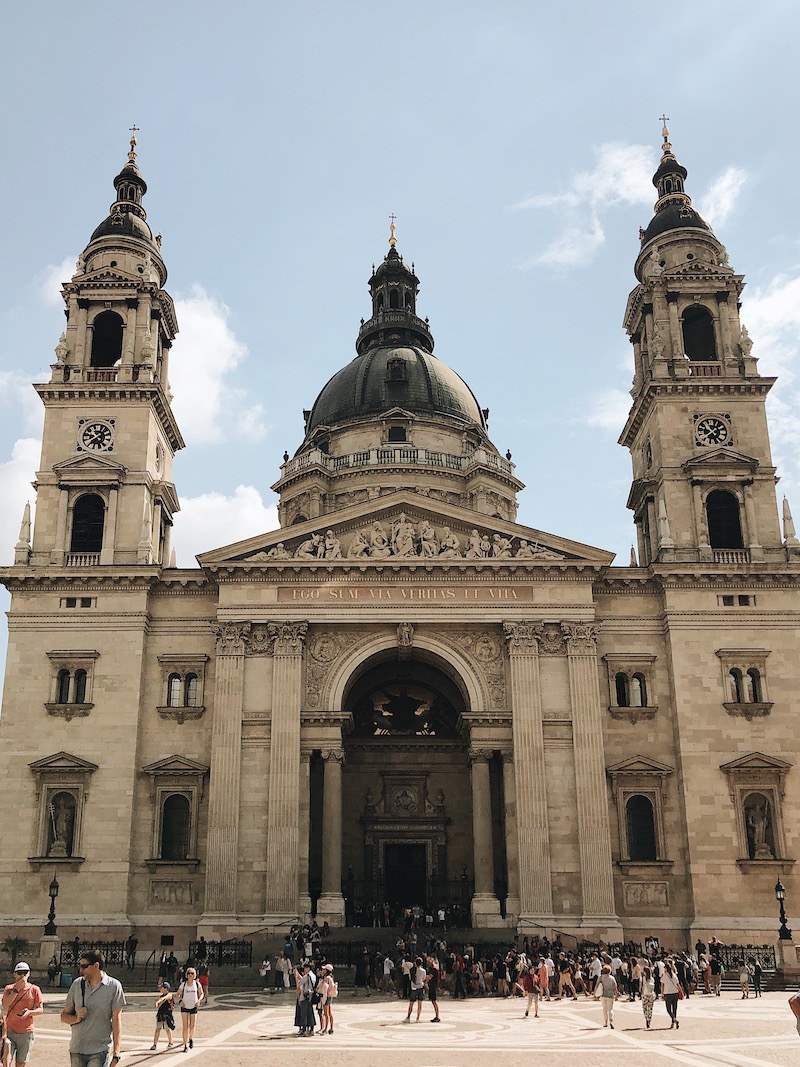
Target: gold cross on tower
392	238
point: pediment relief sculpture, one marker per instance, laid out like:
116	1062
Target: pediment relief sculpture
402	538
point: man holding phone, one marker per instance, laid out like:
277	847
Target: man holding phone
22	1001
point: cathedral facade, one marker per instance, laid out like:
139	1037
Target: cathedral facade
402	694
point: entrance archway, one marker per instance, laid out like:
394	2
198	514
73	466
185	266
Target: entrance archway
406	795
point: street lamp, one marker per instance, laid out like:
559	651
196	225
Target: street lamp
50	929
784	933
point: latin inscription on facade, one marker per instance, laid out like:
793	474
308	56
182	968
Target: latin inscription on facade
398	594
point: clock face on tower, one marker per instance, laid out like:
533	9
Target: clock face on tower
711	430
96	435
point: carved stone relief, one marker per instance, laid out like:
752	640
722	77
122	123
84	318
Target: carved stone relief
645	894
165	893
324	647
485	649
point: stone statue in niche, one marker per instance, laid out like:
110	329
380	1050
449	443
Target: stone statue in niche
745	343
405	635
61	828
758	821
61	348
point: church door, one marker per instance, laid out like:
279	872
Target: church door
405	870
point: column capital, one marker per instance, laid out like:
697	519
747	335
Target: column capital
287	638
332	755
479	755
231	638
507	755
581	638
522	637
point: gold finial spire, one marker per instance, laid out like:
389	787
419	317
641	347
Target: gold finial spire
132	154
666	146
392	238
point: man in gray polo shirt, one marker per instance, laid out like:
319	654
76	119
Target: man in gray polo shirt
93	1010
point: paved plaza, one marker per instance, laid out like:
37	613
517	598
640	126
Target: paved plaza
250	1029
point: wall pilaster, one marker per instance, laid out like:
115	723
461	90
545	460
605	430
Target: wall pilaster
594	837
283	817
533	836
226	748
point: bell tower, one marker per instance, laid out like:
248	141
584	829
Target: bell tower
104	489
703	481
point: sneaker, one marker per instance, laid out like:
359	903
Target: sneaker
611	1025
191	1043
526	1015
436	1020
677	1025
152	1048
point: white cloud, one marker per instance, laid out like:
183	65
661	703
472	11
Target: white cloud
205	353
212	520
19	397
16	491
622	175
55	274
718	203
772	316
608	409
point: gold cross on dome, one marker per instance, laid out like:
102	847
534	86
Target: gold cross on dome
133	131
392	227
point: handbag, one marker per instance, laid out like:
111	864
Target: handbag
680	992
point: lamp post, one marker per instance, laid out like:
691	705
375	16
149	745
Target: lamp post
784	933
50	929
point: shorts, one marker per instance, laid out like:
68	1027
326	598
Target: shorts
203	980
189	1011
414	994
20	1045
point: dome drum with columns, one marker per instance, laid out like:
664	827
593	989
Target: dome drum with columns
402	696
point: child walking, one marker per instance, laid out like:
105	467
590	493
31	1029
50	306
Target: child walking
165	1020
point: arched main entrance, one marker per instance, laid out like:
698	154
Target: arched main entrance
406	792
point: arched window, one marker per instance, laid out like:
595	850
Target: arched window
190	691
668	185
698	333
175	826
724	522
379	302
641	825
80	686
106	339
174	691
735	688
61	824
638	691
621	689
62	689
394	299
88	518
299	518
753	686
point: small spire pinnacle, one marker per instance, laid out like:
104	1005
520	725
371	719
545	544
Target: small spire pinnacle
392	227
132	154
666	147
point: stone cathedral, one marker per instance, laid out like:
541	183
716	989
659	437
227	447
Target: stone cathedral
402	694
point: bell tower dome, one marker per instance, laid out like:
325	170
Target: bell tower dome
703	480
104	490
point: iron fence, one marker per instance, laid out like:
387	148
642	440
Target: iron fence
222	953
71	952
731	956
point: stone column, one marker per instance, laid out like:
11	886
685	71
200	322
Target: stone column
485	905
330	905
59	553
752	524
701	525
226	751
594	837
304	829
512	838
283	814
533	832
110	529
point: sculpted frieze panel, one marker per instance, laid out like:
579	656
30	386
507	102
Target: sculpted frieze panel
484	648
324	647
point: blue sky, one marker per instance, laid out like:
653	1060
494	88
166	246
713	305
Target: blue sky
514	142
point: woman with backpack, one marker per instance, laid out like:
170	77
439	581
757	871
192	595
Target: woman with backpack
190	996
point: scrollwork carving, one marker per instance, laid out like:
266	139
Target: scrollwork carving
232	638
581	637
522	637
552	642
486	652
287	638
332	755
479	755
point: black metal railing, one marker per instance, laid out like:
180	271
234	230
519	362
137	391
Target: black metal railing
71	952
222	953
731	956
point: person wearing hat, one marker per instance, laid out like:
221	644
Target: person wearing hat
306	983
22	1001
328	989
165	1019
